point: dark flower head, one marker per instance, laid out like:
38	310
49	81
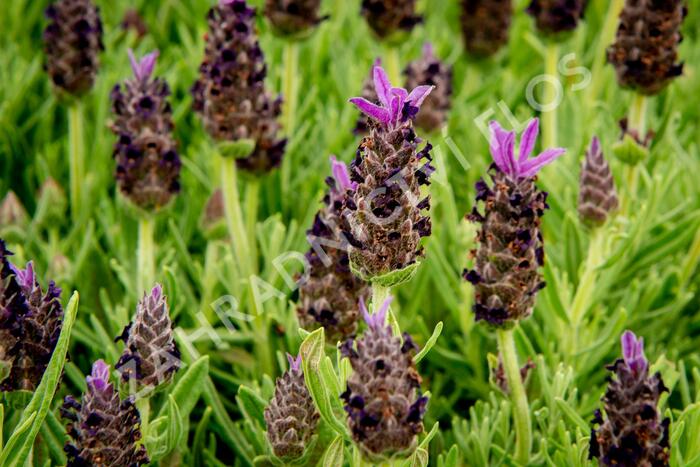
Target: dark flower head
485	25
554	17
293	18
72	43
291	417
386	18
631	432
30	323
148	166
150	356
645	52
230	93
597	194
429	70
329	292
385	212
103	430
506	274
383	399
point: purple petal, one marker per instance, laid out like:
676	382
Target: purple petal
99	378
381	313
633	351
341	175
382	85
372	110
396	106
530	167
25	277
294	362
528	140
157	292
419	94
502	146
377	319
142	69
595	146
428	49
364	311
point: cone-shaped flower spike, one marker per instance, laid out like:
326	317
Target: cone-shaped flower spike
505	275
293	17
485	25
387	17
554	17
597	195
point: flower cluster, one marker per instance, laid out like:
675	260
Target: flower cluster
72	43
148	166
429	70
30	323
385	211
230	92
329	292
293	17
387	17
555	17
646	49
505	274
104	430
291	417
150	355
485	25
597	195
383	398
632	432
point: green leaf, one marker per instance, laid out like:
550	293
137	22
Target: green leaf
190	386
452	458
236	149
630	151
312	353
429	345
418	459
252	405
334	455
571	414
390	279
20	443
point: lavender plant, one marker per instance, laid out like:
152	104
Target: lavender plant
511	250
104	430
293	18
631	432
597	195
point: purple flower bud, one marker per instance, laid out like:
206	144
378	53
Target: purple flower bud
148	166
597	194
485	25
103	429
150	355
230	93
645	51
388	17
554	17
293	18
631	432
505	274
291	417
383	398
329	292
72	43
30	323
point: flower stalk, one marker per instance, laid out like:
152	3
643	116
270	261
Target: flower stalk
380	294
233	214
76	158
549	117
290	85
146	254
252	201
393	63
521	410
586	285
606	36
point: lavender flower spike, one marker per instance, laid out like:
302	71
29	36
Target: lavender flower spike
630	431
103	429
396	105
511	248
502	150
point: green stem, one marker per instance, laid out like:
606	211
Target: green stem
393	66
379	295
691	262
549	118
638	115
143	404
146	255
76	158
521	411
252	198
291	78
234	216
605	38
586	285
